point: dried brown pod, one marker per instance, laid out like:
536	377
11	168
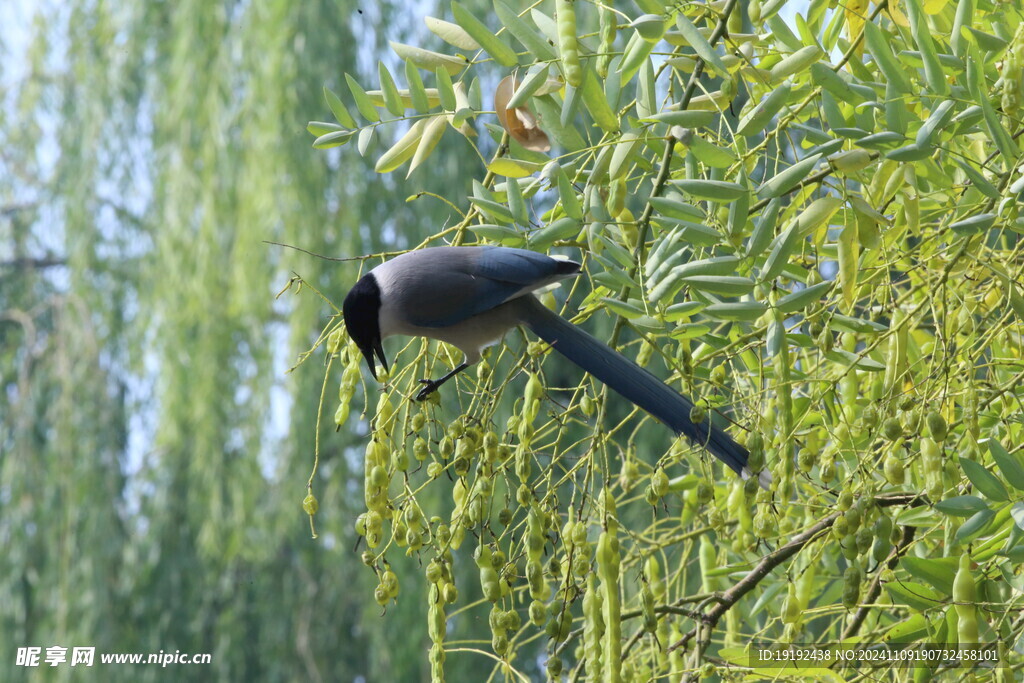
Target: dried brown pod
520	122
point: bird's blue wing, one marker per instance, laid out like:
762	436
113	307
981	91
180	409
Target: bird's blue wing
472	280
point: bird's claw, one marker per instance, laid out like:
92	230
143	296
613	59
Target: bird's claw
429	388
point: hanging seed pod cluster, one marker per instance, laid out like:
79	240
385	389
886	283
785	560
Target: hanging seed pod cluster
808	226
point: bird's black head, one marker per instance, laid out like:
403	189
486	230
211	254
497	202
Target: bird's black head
362	320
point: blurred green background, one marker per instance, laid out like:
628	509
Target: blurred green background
154	448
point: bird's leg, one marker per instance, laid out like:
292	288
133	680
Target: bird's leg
433	384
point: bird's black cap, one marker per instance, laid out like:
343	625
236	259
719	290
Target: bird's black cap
361	311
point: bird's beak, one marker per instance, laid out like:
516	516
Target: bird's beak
379	349
368	355
371	363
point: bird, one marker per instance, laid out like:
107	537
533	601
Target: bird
471	296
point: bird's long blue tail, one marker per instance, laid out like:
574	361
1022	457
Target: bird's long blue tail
631	381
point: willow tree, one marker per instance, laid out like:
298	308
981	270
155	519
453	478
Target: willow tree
809	225
154	449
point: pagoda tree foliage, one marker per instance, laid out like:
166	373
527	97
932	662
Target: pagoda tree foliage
807	224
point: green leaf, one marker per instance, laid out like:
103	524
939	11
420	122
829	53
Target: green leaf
719	191
453	34
783	247
491	44
798	62
911	629
693	36
878	45
509	237
974	525
973	225
496	211
319	128
562	229
596	103
764	228
850	359
392	100
1017	512
788	178
445	89
622	153
338	109
567	195
938	572
934	73
623	308
984	481
535	77
533	41
725	285
710	154
816	214
363	102
403	150
687	118
432	134
673	208
978	180
417	93
427	59
917	596
961	506
333	139
755	121
800	299
849	257
939	117
513	168
1009	465
743	311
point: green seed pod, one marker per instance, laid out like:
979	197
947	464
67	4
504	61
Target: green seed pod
937	427
434	571
864	538
593	629
587	406
554	667
892	429
851	586
827	470
568	48
380	595
791	606
965	595
708	561
499	643
538	613
608	570
609	26
882	541
647	608
390	582
894	470
310	504
869	417
697	414
419	420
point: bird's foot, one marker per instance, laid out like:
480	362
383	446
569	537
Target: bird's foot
430	386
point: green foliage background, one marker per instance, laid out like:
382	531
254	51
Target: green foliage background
811	225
